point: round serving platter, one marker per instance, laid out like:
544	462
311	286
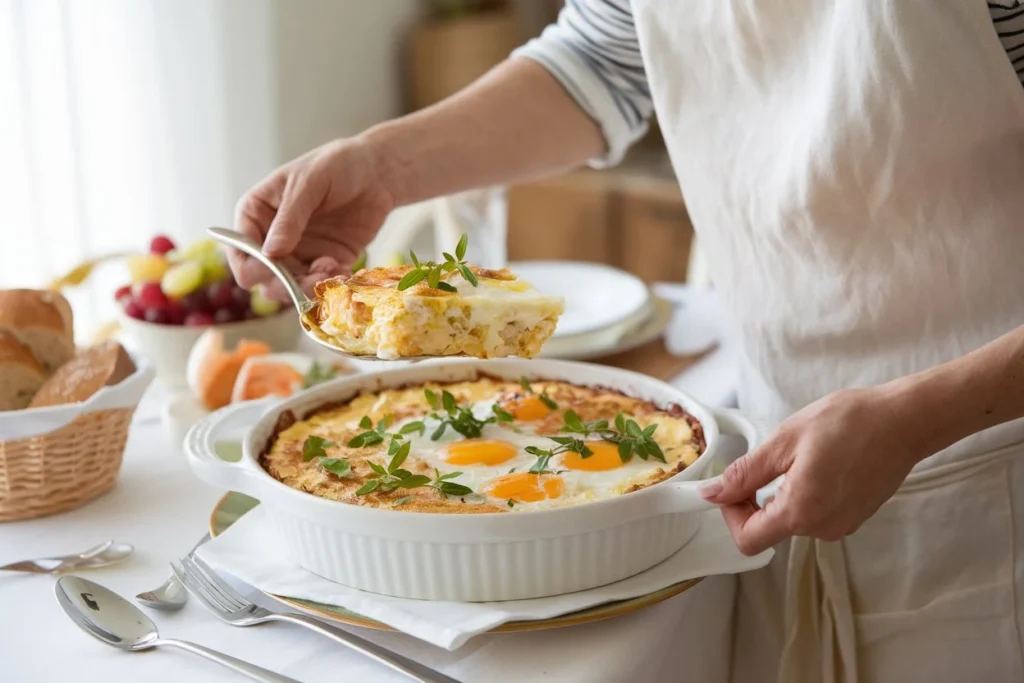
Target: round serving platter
232	506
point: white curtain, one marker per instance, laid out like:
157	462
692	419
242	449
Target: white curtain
121	119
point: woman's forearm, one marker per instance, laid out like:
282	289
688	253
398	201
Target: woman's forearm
515	123
979	390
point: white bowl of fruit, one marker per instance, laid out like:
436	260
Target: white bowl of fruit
177	294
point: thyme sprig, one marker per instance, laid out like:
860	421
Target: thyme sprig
543	396
460	418
432	271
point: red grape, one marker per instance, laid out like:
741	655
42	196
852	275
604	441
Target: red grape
123	295
199	318
240	299
161	244
151	296
133	310
175	313
225	315
197	301
160	316
221	294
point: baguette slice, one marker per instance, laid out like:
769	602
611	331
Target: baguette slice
21	373
89	371
42	321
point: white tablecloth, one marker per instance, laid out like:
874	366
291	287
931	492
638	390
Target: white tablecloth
160	508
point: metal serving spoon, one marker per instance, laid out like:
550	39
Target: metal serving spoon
171	595
108	617
303	304
102	555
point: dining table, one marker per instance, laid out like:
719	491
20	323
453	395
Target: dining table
161	509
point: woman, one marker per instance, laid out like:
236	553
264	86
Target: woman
854	172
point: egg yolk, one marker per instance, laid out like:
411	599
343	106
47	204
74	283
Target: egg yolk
526	487
480	452
605	457
528	408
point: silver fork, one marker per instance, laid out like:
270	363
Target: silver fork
231	606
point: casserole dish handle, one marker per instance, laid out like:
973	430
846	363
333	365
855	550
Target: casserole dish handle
200	446
686	495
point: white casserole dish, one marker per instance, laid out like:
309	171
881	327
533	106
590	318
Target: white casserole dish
478	557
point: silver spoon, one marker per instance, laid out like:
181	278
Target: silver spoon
108	617
102	555
303	304
171	595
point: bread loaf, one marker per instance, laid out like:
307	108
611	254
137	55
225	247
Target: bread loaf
21	373
86	373
42	321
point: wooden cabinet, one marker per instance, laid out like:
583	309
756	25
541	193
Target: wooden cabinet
632	217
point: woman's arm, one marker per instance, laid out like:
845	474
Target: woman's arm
847	454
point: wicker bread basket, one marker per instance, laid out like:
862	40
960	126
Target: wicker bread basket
56	459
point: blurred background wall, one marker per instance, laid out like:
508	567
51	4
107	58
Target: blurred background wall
122	119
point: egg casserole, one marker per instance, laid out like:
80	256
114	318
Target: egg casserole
486	445
500	315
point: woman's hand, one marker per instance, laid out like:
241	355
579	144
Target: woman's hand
316	214
843	456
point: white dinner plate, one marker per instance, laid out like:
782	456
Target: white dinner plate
597	296
601	344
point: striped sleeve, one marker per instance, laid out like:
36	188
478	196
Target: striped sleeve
1008	17
593	51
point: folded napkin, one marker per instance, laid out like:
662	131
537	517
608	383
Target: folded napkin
253	552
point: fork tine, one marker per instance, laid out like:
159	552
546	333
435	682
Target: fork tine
202	583
219	585
197	589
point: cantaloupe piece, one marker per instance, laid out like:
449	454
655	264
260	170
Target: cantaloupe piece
262	376
212	369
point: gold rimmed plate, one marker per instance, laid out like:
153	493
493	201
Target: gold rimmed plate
232	506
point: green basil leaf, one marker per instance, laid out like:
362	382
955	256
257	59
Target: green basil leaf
620	423
649	431
431	398
313	447
394	446
434	276
633	429
460	248
448	257
502	414
360	263
337	466
403	500
401	474
411	278
625	450
548	401
452	489
450	475
366	422
655	450
389	484
599	426
585	451
533	450
445	287
572	421
468	274
439	432
384	423
379	469
564	440
368	487
414	481
449	402
411	427
412	257
542	464
400	456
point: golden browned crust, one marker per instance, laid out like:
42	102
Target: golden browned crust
13	351
681	438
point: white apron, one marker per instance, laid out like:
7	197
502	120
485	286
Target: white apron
855	172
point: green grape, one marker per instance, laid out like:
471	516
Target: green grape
182	279
261	305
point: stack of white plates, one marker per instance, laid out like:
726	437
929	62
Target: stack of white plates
607	310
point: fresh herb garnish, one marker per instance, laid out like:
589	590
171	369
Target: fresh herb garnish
460	418
394	477
543	396
403	500
337	466
318	374
433	272
313	447
450	488
625	433
565	444
372	435
360	262
510	502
